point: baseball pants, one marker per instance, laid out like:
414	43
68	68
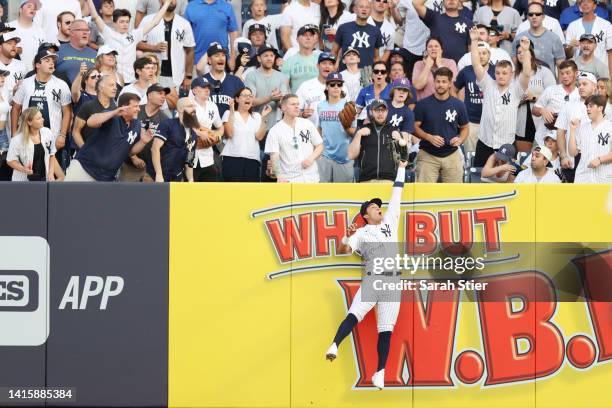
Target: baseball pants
386	312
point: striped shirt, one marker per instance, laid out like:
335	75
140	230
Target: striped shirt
571	110
553	98
594	142
499	112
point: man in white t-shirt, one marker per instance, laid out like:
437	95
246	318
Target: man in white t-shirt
294	145
298	14
123	40
31	34
540	170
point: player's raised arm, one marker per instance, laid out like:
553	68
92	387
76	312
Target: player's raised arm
396	194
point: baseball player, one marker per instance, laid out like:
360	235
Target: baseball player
369	242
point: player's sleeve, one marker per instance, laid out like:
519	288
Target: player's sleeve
393	210
354	241
562	121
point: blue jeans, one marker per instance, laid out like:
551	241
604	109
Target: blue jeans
4	140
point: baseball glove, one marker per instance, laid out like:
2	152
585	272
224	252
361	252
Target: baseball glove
205	139
347	114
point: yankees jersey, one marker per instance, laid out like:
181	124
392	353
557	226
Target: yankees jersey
310	93
453	31
31	38
227	88
208	117
352	83
49	98
442	118
17	70
594	142
125	44
401	118
466	78
571	110
499	112
387	30
367	95
272	23
24	153
294	145
602	30
542	78
181	37
553	97
365	39
178	142
108	147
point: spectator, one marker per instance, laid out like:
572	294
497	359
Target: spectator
592	142
501	98
415	30
257	36
550	141
334	165
173	145
398	71
106	90
400	114
64	21
225	86
147	7
540	170
381	18
573	13
270	24
333	14
207	114
441	122
117	135
552	8
303	65
472	95
548	48
244	129
31	34
451	27
212	21
84	87
365	38
379	89
4	110
500	16
122	39
299	13
604	88
145	74
554	98
495	53
31	154
243	62
106	11
541	78
150	116
397	55
586	60
351	75
8	62
172	42
312	92
500	166
422	75
294	145
549	23
587	86
50	95
372	144
106	63
76	52
267	85
46	18
600	30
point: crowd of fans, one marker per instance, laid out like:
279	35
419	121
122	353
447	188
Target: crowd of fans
336	91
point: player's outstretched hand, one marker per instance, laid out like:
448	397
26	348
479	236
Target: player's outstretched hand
351	229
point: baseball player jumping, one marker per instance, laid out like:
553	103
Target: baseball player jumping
376	239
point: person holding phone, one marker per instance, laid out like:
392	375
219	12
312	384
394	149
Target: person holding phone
422	75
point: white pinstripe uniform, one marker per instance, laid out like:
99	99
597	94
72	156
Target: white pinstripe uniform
593	143
571	110
602	30
552	98
295	145
499	112
57	94
385	232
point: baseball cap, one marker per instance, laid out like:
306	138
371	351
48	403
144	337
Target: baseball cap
545	151
587	75
396	51
334	77
42	55
482	44
366	204
506	152
214	48
257	27
588	37
308	27
401	83
200	82
377	104
551	134
326	56
157	88
243	45
106	49
266	47
349	50
5	28
48	46
35	2
4	73
9	36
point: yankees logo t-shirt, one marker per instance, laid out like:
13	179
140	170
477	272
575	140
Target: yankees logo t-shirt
363	38
401	118
594	142
272	23
441	118
466	78
125	44
453	31
108	147
177	144
39	100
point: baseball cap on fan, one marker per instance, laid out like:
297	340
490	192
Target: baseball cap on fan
215	48
588	76
348	50
201	82
267	47
9	36
506	152
5	28
36	3
106	49
257	27
44	54
158	88
308	28
401	83
545	151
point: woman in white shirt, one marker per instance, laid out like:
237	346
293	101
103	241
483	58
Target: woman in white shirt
32	150
244	129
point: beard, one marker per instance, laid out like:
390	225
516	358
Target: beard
171	7
190	120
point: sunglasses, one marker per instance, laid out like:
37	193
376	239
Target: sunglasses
534	14
96	76
379	71
335	84
381	1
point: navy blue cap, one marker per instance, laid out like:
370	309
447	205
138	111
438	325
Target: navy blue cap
215	48
349	50
364	207
200	82
334	77
257	27
326	56
308	27
267	47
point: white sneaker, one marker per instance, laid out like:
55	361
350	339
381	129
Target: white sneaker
378	379
332	352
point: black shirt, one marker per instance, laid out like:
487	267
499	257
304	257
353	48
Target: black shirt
166	65
375	158
88	109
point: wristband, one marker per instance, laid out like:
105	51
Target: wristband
344	240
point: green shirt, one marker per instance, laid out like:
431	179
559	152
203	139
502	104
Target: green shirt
299	69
